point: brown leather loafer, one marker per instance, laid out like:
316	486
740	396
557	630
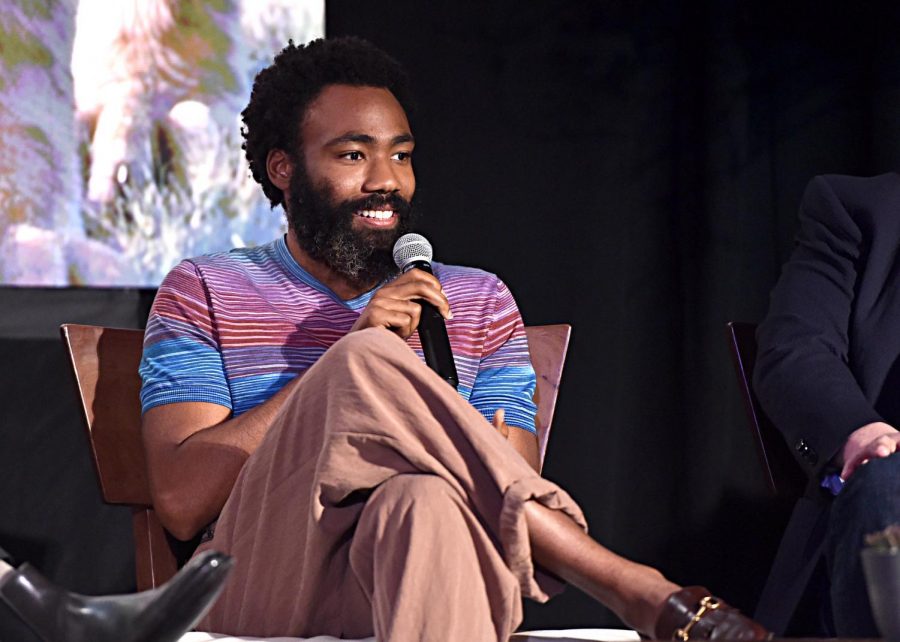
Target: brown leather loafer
693	613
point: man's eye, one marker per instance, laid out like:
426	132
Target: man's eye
402	156
354	156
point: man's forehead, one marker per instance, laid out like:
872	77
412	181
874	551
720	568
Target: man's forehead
351	111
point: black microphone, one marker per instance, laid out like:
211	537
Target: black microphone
414	251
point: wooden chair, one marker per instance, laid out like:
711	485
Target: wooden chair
548	345
783	474
784	589
105	362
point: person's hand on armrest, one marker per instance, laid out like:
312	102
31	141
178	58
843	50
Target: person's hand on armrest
877	439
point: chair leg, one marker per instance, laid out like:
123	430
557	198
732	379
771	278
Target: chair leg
793	566
153	558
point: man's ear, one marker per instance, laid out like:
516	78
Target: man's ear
279	167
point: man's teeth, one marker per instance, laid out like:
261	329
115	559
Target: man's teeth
381	214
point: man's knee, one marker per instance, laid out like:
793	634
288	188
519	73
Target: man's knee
873	488
879	473
369	343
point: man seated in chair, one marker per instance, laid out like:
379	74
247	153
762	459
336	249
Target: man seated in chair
287	412
828	375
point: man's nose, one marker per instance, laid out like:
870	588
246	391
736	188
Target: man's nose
382	177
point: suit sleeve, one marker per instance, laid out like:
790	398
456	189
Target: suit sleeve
801	377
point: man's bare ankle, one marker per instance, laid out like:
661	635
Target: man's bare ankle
645	603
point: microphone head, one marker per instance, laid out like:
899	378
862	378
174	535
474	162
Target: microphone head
410	248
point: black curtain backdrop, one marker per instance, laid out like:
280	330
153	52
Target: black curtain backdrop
632	168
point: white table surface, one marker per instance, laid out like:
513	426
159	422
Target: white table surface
608	635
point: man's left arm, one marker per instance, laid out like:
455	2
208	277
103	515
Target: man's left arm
802	375
504	386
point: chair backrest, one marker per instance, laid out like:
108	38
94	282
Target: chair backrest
105	362
548	345
782	472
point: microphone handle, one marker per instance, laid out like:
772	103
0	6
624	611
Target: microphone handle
433	335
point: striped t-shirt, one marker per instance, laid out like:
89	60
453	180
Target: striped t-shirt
233	328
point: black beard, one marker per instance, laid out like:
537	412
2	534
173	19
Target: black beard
325	231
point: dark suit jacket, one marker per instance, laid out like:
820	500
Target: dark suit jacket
829	350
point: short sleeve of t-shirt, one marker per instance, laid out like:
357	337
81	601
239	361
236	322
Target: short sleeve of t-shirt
181	359
505	376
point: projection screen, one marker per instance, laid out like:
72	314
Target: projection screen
120	147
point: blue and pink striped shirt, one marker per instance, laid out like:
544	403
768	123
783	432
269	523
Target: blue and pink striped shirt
233	328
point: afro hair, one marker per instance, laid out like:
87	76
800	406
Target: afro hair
283	91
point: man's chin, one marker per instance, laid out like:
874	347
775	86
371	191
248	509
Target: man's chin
378	238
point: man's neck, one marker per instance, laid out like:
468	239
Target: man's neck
338	284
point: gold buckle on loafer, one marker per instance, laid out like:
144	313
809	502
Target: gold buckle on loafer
708	603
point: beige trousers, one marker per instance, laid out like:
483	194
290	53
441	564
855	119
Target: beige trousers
380	503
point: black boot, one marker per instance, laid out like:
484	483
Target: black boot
160	615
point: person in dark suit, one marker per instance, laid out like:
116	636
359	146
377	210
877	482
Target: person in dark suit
828	376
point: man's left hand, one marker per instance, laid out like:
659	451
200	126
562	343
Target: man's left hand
523	442
499	422
877	439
